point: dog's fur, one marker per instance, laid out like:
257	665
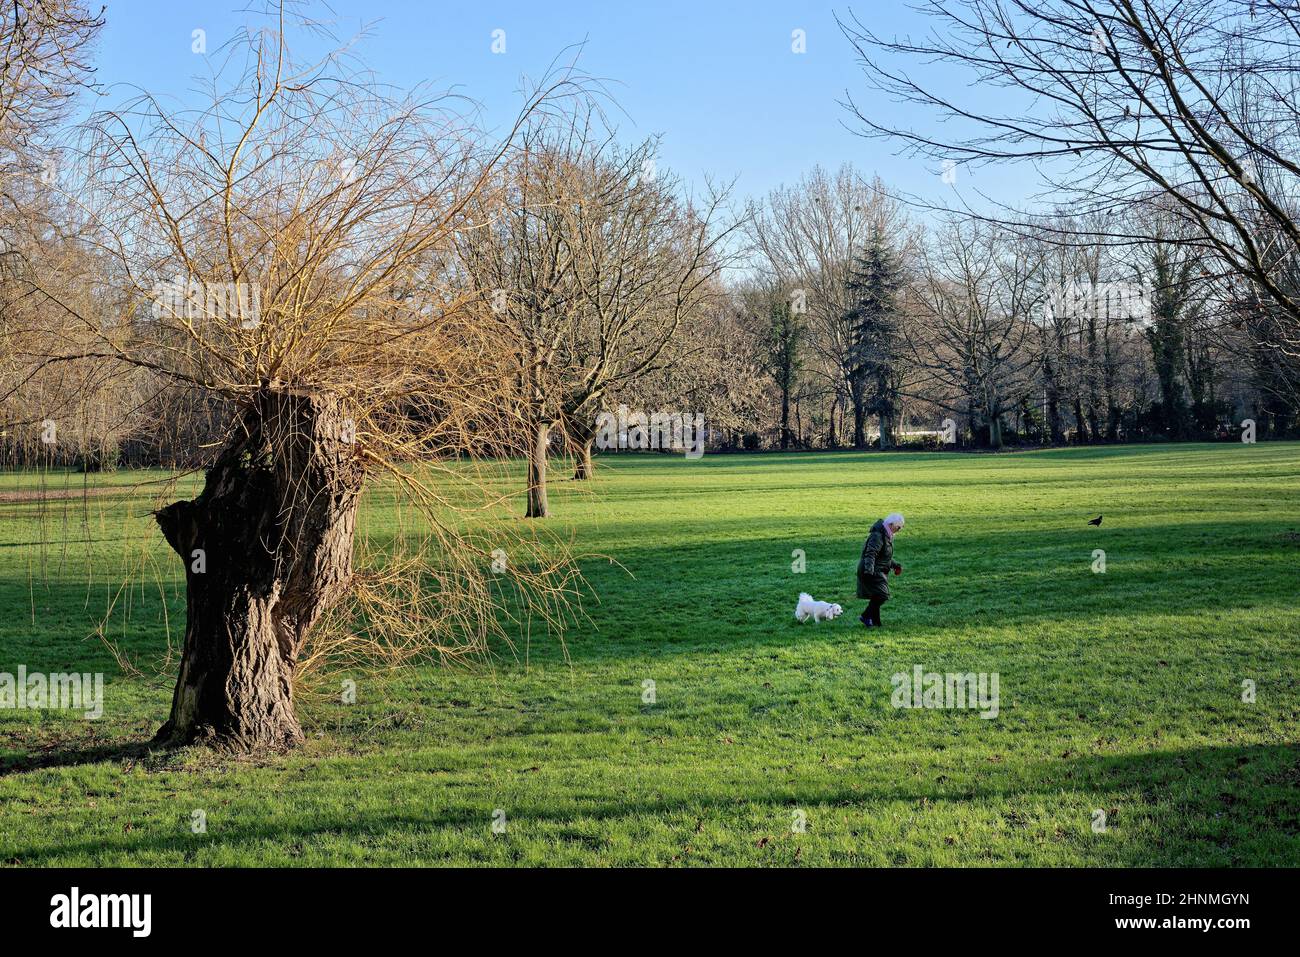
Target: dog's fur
816	610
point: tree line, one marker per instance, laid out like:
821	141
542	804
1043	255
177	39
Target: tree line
873	329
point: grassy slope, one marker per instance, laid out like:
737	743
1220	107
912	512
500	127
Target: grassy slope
1119	691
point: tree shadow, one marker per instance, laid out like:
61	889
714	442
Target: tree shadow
1004	577
1219	806
728	582
56	756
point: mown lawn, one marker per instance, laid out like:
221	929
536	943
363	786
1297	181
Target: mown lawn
1120	692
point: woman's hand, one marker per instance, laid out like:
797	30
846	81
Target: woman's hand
898	568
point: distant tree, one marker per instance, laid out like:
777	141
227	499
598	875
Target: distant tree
45	61
588	272
806	237
716	367
1173	312
976	292
777	335
784	357
874	319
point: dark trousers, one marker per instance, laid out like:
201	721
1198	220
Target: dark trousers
872	614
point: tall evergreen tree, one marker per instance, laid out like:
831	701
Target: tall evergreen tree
874	321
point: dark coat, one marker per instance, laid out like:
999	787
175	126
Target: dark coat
875	564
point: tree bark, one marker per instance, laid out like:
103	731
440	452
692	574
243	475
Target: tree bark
1052	399
584	468
857	398
1080	423
537	504
886	430
995	431
886	403
267	547
785	417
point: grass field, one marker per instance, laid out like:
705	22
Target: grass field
1120	692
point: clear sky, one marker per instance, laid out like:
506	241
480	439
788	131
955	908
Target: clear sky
719	80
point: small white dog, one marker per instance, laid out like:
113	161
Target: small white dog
816	610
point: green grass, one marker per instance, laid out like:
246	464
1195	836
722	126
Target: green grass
1119	691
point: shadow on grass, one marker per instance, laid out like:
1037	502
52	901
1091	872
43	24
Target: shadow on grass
1002	578
732	587
1215	806
56	757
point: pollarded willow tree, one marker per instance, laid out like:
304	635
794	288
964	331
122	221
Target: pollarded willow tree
287	249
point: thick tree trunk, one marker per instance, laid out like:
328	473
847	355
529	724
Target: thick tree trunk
584	468
267	547
1080	423
886	430
1056	435
995	432
1052	399
859	422
580	431
785	419
537	505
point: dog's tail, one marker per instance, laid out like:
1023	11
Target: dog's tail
799	613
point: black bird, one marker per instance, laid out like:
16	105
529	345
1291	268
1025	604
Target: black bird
1095	521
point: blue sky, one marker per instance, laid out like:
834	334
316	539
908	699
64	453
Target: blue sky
718	80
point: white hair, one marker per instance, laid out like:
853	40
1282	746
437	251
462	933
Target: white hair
894	518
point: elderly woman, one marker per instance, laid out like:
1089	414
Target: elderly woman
875	565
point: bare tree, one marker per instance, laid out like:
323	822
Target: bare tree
1177	304
45	50
716	367
589	271
973	337
1114	100
288	249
